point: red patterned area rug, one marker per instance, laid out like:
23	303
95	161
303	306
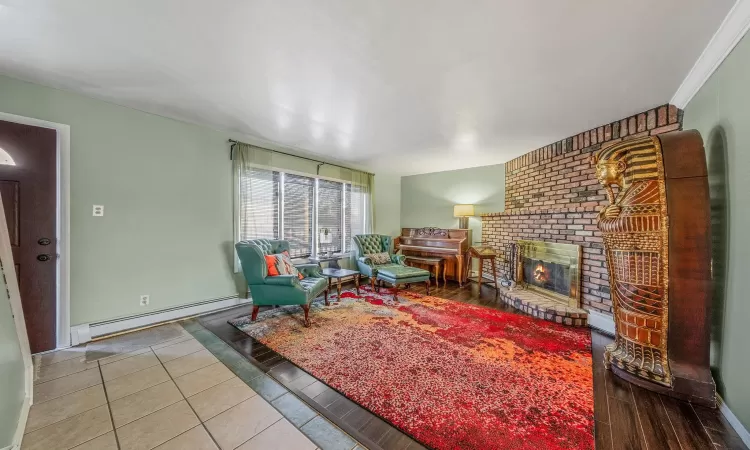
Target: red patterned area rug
450	374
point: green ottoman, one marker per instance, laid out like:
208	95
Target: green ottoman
397	275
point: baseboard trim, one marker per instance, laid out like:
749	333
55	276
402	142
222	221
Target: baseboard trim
80	334
21	427
602	322
734	421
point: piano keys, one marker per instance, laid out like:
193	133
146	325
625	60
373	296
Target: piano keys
451	245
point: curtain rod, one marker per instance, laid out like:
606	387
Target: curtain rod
320	163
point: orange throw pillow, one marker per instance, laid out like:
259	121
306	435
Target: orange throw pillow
281	264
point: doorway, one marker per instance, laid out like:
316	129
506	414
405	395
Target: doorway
29	189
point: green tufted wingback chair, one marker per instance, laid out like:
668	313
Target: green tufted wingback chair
282	289
365	244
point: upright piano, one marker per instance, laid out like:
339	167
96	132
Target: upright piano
450	245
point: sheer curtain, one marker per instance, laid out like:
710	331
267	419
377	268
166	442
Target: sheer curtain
253	190
256	195
362	196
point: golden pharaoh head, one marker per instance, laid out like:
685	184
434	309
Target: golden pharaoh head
626	162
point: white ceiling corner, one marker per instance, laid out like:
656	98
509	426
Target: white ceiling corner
729	34
405	87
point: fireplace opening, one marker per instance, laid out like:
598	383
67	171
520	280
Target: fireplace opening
551	269
547	275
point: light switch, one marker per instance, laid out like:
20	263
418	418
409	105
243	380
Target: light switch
98	210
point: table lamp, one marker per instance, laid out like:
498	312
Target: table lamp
463	212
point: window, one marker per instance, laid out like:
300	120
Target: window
5	158
259	191
298	214
330	216
316	216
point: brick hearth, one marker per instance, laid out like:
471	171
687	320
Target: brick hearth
551	194
544	308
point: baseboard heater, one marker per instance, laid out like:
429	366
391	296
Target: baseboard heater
602	322
80	334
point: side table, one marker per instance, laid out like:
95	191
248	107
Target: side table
333	260
428	261
482	253
338	274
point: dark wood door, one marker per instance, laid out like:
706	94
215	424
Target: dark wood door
28	169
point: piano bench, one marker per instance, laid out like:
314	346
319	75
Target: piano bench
403	275
429	261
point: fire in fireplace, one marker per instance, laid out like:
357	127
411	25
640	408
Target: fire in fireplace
550	269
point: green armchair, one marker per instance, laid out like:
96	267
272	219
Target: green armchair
365	244
282	289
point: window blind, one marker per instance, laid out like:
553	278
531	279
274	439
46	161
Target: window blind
276	205
259	198
298	214
330	211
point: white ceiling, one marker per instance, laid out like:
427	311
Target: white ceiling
410	86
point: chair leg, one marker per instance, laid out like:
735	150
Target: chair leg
428	287
395	292
306	308
326	297
255	313
372	283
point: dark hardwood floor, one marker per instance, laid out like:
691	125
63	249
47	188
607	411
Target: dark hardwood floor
626	416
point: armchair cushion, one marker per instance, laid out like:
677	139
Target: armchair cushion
284	280
372	243
398	274
280	264
367	244
365	260
313	286
379	258
252	257
310	270
398	259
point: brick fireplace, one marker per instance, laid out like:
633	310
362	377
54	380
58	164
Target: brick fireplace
551	269
552	195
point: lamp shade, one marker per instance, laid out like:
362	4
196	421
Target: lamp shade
463	210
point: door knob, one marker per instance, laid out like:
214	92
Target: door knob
43	257
44	241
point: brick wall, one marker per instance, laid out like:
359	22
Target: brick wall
551	194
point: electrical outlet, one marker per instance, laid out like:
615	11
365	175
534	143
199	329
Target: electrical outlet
98	210
144	300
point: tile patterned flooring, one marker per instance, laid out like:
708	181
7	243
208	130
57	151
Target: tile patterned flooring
167	388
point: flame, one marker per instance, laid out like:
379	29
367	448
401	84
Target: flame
539	274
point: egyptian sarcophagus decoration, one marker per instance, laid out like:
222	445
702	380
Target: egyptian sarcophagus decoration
657	242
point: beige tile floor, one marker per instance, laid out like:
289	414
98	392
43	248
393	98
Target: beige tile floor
153	389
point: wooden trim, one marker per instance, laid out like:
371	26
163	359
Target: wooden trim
733	420
730	32
63	220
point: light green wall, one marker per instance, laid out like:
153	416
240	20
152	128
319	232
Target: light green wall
12	389
166	187
721	112
427	200
388	204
